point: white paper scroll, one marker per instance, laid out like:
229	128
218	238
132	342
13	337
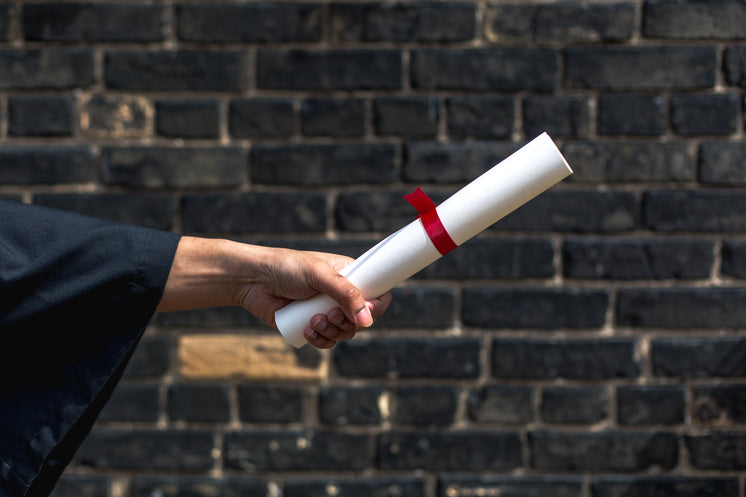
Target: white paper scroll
525	174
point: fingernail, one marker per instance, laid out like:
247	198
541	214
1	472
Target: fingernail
309	334
319	323
336	317
364	318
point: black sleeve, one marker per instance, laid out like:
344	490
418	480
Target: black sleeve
76	294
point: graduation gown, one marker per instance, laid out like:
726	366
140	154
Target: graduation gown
76	294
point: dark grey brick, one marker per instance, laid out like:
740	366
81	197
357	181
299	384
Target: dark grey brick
578	405
508	486
650	405
72	485
151	358
187	118
420	308
161	167
408	358
500	69
503	404
705	114
637	115
721	163
29	165
46	68
425	405
115	116
356	486
157	450
641	68
435	162
332	69
339	405
198	486
734	65
261	118
40	115
110	22
366	210
270	403
663	486
629	161
450	451
262	22
733	262
480	116
323	164
541	308
337	117
199	403
403	22
694	19
571	359
695	210
297	451
560	116
4	21
717	450
407	117
719	405
633	259
133	402
603	451
177	70
254	212
682	308
699	357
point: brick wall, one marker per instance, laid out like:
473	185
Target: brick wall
591	344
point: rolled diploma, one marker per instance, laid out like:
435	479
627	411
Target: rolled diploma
529	171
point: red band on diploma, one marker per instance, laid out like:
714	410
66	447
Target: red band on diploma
430	221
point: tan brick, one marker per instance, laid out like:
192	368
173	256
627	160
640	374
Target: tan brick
105	116
248	357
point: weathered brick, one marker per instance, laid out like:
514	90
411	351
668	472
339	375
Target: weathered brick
636	115
240	212
407	117
579	405
133	402
734	65
161	167
337	117
151	358
693	115
602	451
115	116
694	19
297	451
663	486
420	308
434	162
154	210
40	115
211	357
323	164
261	118
477	116
508	486
339	405
694	210
395	486
719	405
721	163
199	486
637	259
628	161
200	403
425	405
696	357
503	404
450	451
366	210
501	69
534	308
572	359
177	70
650	405
29	165
682	308
717	450
46	68
560	116
408	358
4	21
733	262
402	22
641	68
73	485
187	118
270	403
109	22
249	23
331	69
138	449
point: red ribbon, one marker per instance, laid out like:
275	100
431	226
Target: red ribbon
430	221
